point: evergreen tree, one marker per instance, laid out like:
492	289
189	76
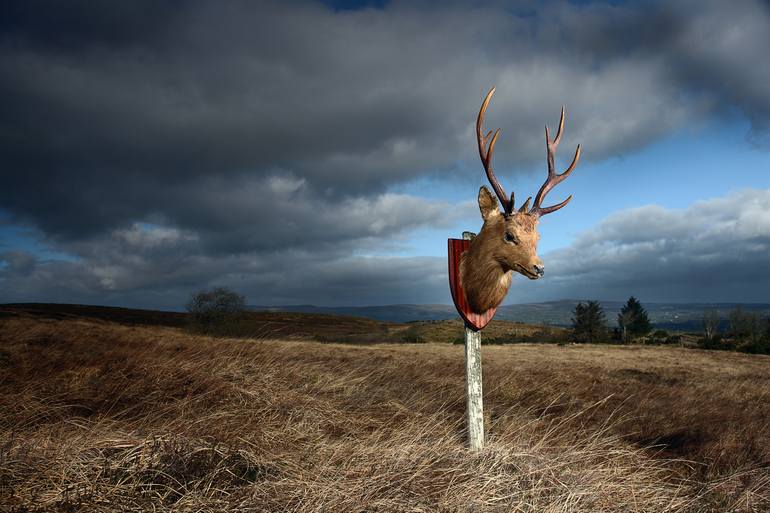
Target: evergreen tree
578	314
635	319
589	323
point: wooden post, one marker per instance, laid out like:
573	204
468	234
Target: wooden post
473	389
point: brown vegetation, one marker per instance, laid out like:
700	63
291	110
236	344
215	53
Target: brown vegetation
297	326
97	416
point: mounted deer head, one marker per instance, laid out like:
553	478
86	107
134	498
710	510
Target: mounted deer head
508	240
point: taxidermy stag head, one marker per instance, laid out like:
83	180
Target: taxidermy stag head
507	242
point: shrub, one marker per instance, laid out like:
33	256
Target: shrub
215	310
717	343
760	346
412	335
673	339
545	335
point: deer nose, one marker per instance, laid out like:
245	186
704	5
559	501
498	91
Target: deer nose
539	269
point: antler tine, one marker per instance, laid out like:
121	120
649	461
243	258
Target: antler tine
553	208
561	127
486	153
553	178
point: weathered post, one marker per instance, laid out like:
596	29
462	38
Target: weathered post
474	403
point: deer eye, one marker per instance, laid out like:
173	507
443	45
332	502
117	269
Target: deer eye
510	238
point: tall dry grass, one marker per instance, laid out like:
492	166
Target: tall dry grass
102	417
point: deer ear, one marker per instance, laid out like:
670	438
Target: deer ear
487	204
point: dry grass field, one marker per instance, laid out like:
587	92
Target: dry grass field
100	416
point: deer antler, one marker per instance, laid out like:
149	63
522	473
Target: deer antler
553	178
486	154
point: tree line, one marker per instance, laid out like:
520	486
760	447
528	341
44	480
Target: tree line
220	311
589	323
745	331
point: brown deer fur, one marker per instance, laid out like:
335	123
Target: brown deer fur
486	269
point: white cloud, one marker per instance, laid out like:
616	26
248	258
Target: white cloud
715	250
142	236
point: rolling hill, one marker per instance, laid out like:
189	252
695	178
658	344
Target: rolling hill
671	316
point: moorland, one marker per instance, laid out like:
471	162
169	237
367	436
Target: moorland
117	410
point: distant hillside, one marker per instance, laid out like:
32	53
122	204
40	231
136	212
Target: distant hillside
672	316
321	326
62	311
354	321
389	313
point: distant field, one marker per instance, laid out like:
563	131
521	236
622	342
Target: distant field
295	325
104	416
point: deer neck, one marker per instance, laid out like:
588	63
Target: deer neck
483	278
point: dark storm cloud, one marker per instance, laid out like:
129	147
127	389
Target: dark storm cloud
79	24
18	263
257	129
162	275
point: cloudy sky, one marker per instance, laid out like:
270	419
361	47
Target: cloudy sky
323	151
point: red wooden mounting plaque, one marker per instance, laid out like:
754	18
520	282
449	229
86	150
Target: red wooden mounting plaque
472	319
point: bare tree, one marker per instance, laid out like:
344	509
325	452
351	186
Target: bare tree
710	324
625	319
745	325
755	327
